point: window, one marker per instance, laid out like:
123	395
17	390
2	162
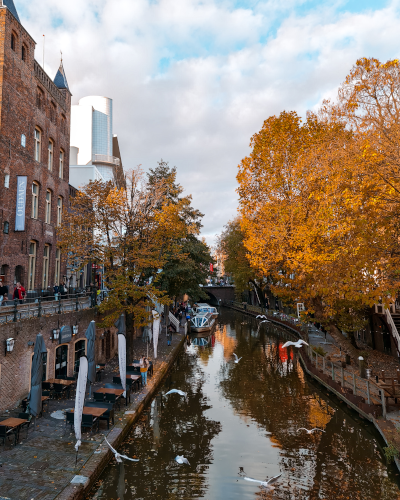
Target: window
63	122
80	350
61	166
53	112
47	217
23	140
50	155
6	227
38	141
32	265
59	210
13	41
45	277
7	181
24	52
61	365
39	98
44	376
35	200
58	267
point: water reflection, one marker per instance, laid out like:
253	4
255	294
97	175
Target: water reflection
242	420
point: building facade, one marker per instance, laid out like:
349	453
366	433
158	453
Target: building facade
95	153
34	159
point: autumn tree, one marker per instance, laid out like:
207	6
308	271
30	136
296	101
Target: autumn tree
236	262
311	218
132	232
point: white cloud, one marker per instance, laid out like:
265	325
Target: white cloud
193	80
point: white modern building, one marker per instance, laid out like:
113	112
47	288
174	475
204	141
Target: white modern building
93	144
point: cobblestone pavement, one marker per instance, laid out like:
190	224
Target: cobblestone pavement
44	461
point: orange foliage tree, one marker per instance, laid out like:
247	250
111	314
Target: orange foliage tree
310	211
132	232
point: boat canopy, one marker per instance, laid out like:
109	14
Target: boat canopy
205	308
201	320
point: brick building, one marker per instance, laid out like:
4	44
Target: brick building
34	159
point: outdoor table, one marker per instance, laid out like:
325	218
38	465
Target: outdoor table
92	410
14	423
117	392
137	379
60	381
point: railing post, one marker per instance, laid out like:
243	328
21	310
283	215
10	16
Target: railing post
354	385
383	404
342	377
316	360
333	371
323	364
40	307
15	310
59	304
368	398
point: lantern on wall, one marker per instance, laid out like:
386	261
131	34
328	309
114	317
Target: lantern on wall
56	334
9	345
75	329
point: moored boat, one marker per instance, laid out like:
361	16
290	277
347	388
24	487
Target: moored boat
202	322
205	308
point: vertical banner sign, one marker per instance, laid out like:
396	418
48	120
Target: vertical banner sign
21	202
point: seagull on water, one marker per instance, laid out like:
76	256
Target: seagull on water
265	484
236	358
298	344
310	431
118	456
181	460
177	391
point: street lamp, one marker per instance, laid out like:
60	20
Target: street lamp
9	345
75	330
56	334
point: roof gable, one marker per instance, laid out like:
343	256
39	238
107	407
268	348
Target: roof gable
61	80
11	7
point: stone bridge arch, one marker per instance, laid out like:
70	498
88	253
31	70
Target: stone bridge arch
217	293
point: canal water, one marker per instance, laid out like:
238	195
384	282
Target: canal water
243	420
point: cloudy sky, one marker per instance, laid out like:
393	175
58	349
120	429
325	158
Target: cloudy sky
193	80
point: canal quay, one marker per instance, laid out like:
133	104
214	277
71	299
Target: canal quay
242	420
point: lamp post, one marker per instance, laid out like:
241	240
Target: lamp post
9	345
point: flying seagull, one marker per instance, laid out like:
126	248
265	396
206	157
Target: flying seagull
181	460
236	358
118	456
266	484
299	343
177	391
261	316
310	431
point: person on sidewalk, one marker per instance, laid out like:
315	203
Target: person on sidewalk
19	293
169	335
143	369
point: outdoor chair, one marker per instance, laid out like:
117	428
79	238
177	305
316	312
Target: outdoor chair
132	370
88	421
26	416
60	390
70	418
98	396
109	415
4	434
116	380
112	398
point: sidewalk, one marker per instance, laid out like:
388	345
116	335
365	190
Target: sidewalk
42	465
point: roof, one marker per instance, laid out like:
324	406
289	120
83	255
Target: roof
11	7
61	80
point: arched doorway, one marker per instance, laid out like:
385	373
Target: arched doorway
61	366
80	350
19	275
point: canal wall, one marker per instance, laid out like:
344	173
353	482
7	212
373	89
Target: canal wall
92	468
371	412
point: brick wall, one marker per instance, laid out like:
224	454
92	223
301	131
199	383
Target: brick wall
15	367
20	114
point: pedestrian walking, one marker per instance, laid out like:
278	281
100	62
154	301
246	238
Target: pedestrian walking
169	335
143	369
19	293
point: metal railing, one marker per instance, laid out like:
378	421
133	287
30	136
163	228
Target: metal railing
96	158
393	327
18	310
